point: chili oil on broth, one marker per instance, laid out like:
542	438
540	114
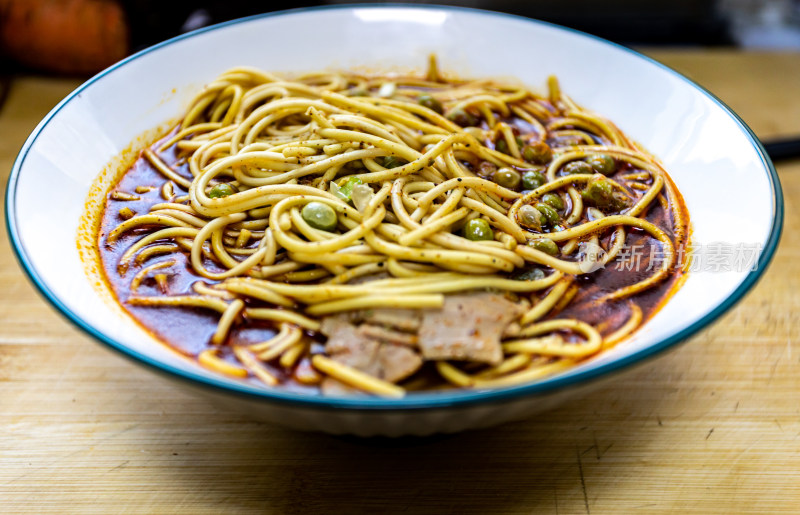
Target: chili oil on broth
190	329
186	330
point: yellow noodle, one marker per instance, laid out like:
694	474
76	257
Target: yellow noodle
290	356
144	272
254	366
627	328
454	375
194	301
209	358
403	181
226	320
168	172
377	301
279	346
154	250
542	307
556	346
356	378
525	376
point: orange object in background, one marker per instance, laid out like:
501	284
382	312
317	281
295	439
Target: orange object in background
65	36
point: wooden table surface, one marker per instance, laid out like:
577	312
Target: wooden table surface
711	427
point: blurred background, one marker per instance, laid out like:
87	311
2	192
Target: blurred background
80	37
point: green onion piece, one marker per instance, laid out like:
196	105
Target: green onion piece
346	191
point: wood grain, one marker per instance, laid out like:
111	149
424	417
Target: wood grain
712	427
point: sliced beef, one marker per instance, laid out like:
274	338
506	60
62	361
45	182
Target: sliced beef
348	345
407	320
396	362
384	342
378	332
344	338
468	327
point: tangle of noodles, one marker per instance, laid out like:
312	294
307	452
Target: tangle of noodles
298	204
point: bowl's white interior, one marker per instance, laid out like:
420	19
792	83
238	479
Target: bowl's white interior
710	157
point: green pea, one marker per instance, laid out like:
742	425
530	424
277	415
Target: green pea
601	187
531	217
507	178
545	245
554	200
532	180
532	274
602	195
221	190
538	152
462	118
602	163
478	230
501	146
431	103
549	213
393	162
319	216
575	167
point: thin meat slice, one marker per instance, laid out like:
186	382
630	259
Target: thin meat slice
348	345
378	332
407	320
468	327
396	362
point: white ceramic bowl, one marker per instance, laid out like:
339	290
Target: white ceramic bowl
713	157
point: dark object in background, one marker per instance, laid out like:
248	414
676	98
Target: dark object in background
782	149
66	36
629	22
81	37
152	21
670	22
84	36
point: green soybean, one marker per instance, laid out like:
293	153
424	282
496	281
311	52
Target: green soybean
554	200
431	103
575	167
545	245
549	213
319	216
602	163
221	190
602	195
538	153
532	180
507	178
531	217
478	230
501	146
532	274
462	118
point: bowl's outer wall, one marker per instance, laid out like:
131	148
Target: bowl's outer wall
398	423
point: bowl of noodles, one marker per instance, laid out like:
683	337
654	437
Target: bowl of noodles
390	226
